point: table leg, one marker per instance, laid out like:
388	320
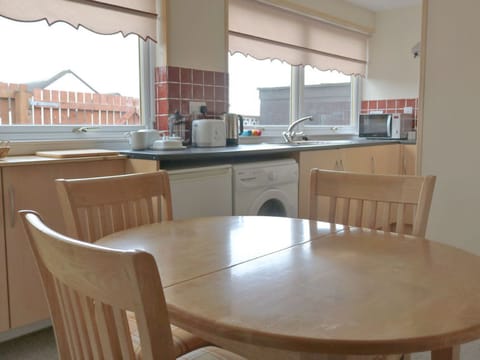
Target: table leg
452	353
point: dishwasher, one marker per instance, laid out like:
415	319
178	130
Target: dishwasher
201	191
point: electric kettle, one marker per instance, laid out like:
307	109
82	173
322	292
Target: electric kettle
233	128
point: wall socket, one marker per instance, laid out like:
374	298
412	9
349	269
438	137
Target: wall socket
194	107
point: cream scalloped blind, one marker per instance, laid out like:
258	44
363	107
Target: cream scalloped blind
264	31
101	16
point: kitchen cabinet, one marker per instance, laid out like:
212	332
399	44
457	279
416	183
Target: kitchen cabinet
32	187
378	159
4	322
409	159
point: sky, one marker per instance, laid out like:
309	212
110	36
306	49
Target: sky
35	52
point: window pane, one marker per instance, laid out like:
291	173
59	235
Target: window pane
327	97
58	75
259	88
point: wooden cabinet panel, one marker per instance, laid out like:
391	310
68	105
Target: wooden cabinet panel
4	320
322	159
409	159
358	159
378	159
32	187
386	159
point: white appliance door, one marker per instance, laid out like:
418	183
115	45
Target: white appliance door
203	191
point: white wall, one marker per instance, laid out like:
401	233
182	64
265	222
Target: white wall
451	125
339	10
196	35
393	72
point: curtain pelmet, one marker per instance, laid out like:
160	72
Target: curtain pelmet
103	17
266	32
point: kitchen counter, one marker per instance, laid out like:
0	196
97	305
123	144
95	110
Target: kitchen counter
245	151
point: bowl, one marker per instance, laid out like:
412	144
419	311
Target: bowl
4	151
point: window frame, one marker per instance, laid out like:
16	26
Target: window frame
297	86
34	133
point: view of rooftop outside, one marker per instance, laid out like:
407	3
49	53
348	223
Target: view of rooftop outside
261	89
67	76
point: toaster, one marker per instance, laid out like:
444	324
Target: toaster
208	133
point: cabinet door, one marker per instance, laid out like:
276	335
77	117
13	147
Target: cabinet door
322	159
32	187
4	322
378	159
358	159
409	159
386	159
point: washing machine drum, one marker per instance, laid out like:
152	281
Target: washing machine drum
273	203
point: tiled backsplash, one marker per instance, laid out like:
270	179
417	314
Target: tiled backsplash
390	106
175	87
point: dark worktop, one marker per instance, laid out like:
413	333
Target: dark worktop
250	150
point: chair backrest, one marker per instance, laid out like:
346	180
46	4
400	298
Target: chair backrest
96	207
89	290
396	203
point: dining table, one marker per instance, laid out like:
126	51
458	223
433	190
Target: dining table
287	288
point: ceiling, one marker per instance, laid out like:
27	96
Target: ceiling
380	5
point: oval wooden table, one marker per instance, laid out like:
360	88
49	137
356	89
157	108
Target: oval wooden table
273	288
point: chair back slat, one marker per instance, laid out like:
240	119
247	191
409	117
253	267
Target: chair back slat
91	288
381	201
96	207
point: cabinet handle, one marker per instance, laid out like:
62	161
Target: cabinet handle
372	161
11	197
341	165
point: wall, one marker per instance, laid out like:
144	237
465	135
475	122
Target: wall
449	145
337	11
393	72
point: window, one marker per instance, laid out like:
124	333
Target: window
56	78
272	93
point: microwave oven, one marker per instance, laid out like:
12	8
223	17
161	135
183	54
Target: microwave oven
385	126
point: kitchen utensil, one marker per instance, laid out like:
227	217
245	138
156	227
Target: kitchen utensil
233	128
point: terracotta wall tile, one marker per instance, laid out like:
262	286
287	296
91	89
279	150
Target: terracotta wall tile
197	76
220	79
208	93
173	74
173	90
197	92
186	91
186	75
208	78
175	87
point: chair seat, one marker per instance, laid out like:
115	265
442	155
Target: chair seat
210	353
183	341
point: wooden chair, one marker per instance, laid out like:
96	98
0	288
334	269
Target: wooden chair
90	289
96	207
388	202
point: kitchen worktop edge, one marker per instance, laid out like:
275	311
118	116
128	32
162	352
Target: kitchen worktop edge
243	150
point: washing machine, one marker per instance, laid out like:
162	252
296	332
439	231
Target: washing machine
267	188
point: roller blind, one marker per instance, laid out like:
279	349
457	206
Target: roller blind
264	31
104	17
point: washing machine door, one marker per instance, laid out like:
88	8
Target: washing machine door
273	202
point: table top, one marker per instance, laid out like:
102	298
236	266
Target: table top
312	287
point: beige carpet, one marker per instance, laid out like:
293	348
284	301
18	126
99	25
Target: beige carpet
41	346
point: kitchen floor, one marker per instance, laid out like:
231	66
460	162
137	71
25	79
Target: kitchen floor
41	346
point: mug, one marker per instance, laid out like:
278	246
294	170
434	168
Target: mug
139	140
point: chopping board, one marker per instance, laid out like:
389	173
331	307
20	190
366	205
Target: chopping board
76	153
